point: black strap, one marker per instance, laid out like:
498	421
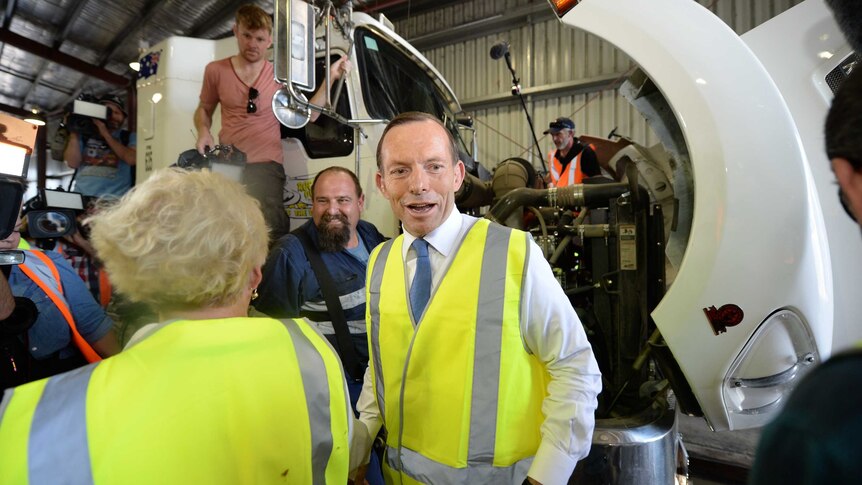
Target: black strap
344	342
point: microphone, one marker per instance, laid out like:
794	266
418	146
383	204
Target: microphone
499	50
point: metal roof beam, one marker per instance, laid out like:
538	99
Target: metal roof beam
74	63
14	110
535	12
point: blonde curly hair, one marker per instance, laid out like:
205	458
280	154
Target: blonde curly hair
181	240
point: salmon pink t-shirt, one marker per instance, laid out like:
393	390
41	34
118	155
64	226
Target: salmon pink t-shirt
257	134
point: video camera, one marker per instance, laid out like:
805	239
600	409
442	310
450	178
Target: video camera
52	213
11	193
81	113
17	139
227	160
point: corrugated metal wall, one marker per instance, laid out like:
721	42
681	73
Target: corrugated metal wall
566	72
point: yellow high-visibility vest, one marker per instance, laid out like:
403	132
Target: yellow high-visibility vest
459	394
236	400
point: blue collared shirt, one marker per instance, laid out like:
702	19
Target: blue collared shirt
290	289
51	334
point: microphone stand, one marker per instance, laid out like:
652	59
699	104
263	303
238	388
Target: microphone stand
516	90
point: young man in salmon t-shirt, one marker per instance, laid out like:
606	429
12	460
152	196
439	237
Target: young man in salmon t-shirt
244	85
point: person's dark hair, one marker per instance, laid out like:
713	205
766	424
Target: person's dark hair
339	170
415	117
253	18
849	17
843	131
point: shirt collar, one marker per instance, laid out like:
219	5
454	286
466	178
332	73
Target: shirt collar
443	238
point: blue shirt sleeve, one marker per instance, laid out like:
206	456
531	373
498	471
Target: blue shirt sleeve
281	290
91	320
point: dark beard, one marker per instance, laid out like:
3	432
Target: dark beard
333	239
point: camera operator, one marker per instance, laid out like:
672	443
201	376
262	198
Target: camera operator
71	328
104	159
17	314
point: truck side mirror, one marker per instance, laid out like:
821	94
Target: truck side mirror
294	44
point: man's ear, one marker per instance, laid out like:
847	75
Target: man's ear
378	180
460	173
850	181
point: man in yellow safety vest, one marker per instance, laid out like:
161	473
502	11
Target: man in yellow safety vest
480	370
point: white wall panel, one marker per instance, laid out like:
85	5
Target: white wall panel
545	53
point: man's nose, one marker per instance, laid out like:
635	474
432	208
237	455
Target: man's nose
418	181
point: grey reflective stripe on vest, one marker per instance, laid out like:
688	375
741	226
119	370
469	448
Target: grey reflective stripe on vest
374	310
7	396
316	401
426	470
489	336
58	450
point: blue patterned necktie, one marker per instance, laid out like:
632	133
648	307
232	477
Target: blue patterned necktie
420	290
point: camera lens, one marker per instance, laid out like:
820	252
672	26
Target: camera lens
54	222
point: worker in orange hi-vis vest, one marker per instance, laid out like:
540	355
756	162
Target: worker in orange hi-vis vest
565	163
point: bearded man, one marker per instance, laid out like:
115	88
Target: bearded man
293	285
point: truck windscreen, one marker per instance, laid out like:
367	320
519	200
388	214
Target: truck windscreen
395	82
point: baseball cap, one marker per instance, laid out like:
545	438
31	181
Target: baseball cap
560	124
110	98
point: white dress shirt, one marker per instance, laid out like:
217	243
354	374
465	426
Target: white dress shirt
551	331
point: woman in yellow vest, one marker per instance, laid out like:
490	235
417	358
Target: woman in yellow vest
208	395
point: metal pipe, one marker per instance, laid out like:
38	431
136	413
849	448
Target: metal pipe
343	75
567	197
327	64
560	248
473	193
566	240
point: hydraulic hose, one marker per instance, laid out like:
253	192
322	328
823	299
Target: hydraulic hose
590	196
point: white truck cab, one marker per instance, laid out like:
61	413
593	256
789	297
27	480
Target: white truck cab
765	282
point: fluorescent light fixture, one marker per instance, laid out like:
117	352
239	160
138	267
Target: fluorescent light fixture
37	119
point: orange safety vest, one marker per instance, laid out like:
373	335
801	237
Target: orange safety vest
572	176
53	287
